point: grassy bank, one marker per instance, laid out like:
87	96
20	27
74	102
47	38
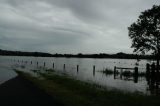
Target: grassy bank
72	92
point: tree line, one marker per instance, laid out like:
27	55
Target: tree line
119	55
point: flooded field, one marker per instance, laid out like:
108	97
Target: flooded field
6	71
87	69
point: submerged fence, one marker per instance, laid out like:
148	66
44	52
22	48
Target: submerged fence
151	70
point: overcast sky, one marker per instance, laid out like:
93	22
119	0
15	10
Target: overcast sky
69	26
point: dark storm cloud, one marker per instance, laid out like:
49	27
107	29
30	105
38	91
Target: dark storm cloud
69	26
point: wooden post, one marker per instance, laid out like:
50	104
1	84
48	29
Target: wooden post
31	62
136	71
153	69
136	74
114	69
53	65
37	64
94	68
77	68
114	72
44	64
64	67
135	79
147	69
121	73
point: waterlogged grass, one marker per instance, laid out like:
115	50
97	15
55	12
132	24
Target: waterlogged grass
71	92
50	70
124	73
35	71
107	72
142	74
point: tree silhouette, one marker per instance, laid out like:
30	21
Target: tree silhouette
145	32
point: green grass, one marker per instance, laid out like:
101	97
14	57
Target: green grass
71	92
35	71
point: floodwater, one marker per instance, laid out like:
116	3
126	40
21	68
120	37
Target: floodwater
85	70
6	72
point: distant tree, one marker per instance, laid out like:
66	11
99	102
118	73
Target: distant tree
79	54
145	32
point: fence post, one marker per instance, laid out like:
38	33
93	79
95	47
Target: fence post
94	68
64	67
44	64
147	69
53	65
121	76
77	68
37	64
114	72
153	69
114	69
136	74
136	71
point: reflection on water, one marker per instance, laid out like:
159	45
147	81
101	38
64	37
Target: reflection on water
90	70
153	85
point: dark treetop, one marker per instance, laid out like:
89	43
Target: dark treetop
145	32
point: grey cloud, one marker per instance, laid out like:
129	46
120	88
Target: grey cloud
69	26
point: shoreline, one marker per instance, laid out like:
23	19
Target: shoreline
72	92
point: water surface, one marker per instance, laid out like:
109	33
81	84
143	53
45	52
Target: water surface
6	72
86	73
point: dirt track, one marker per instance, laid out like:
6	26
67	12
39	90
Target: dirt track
20	92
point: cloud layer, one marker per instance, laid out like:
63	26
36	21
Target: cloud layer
69	26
